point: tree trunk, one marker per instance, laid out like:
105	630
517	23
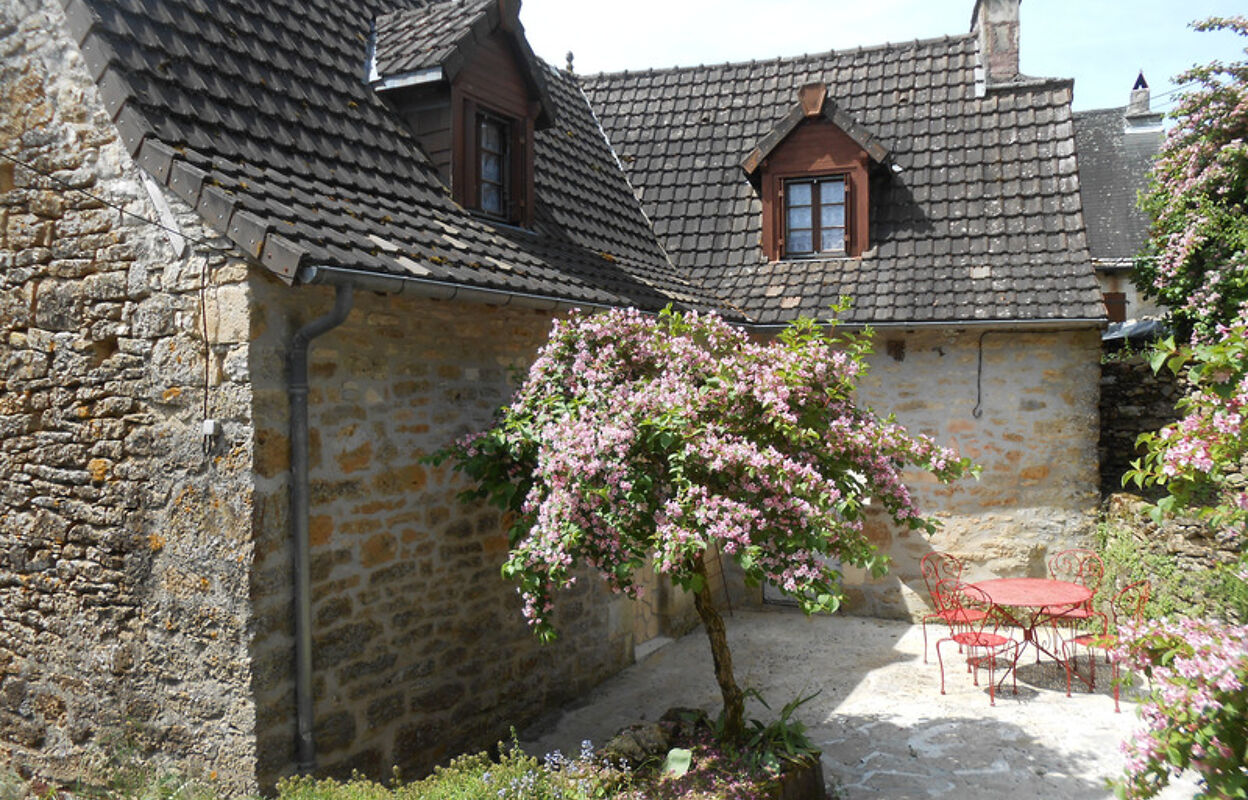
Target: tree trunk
734	700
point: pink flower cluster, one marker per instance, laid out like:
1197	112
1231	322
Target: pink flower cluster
1194	716
640	438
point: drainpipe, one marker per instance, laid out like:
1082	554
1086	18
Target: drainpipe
305	747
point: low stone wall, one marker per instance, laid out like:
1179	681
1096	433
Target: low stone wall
420	650
1134	400
124	544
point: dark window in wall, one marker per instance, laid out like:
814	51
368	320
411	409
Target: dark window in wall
493	164
1116	306
815	221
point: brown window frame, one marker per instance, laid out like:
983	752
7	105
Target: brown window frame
504	127
816	205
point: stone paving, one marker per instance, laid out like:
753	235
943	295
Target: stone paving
885	729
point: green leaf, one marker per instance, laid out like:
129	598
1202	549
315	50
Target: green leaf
677	762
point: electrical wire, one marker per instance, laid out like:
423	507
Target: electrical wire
203	274
115	206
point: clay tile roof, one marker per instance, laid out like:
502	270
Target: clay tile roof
258	116
983	222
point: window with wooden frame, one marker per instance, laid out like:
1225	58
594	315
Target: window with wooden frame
815	216
493	165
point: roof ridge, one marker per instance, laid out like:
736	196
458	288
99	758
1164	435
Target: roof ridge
855	50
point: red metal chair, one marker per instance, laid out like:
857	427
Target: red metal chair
1127	604
985	649
937	568
1080	566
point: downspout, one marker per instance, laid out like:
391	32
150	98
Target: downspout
305	746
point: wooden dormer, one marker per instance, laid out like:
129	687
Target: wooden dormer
812	174
473	93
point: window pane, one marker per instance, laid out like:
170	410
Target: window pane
832	191
799	194
491	198
799	242
833	240
799	217
491	135
832	216
491	167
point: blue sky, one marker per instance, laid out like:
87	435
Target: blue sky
1102	44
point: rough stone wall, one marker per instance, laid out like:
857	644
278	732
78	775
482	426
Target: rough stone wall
125	548
420	650
1035	439
1134	400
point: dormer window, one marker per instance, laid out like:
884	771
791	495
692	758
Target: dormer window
473	95
492	178
812	175
815	217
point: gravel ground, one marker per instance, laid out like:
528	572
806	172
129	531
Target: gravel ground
885	729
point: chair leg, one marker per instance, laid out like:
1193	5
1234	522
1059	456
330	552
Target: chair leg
1066	659
941	661
1117	710
924	640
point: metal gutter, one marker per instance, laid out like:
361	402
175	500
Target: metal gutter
437	290
977	323
297	360
445	290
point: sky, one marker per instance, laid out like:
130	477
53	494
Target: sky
1102	44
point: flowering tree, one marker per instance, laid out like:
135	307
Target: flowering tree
637	438
1199	233
1195	716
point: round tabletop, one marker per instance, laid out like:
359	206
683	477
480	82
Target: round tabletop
1033	592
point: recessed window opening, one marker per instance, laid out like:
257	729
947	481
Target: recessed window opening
493	163
815	216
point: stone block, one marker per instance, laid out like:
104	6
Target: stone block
332	647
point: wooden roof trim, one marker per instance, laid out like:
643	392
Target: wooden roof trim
814	102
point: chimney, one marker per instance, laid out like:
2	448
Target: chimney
996	22
1139	117
1140	103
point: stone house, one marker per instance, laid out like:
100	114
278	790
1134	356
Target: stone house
258	259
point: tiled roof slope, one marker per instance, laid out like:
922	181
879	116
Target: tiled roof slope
257	114
1113	169
983	223
417	38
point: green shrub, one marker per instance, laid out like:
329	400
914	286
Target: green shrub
1209	593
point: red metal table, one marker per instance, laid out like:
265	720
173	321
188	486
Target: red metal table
1023	602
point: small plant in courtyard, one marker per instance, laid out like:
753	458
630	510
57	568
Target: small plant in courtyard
637	438
1194	718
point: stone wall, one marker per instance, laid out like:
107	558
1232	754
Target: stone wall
420	650
125	546
1035	439
1134	400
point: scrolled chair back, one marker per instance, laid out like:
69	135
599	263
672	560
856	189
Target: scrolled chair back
1080	566
937	567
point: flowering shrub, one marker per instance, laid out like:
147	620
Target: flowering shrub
1199	232
1201	459
1195	716
637	437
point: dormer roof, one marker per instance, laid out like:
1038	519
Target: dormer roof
435	41
813	103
